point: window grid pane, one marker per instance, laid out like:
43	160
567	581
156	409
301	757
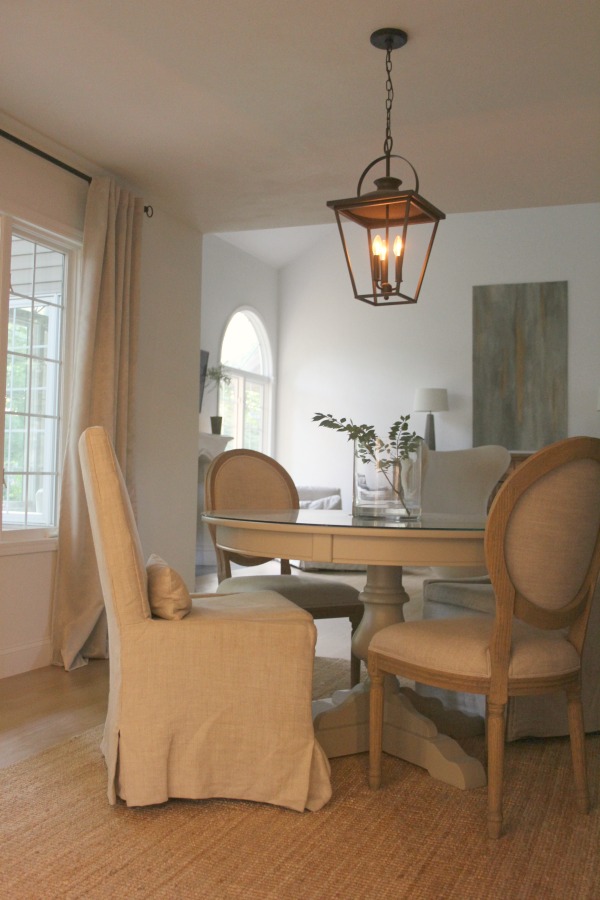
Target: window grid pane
241	346
253	415
32	410
229	406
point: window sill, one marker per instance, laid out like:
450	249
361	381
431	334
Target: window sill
20	545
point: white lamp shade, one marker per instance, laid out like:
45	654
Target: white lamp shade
431	400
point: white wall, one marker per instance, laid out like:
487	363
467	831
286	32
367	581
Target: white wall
168	386
167	398
340	356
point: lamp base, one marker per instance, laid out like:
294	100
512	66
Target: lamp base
430	431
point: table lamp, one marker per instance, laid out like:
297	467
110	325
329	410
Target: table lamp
430	400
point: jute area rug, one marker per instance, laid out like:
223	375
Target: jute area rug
415	838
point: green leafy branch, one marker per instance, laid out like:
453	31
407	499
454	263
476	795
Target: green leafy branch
386	455
217	374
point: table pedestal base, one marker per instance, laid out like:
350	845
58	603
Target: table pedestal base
342	728
342	721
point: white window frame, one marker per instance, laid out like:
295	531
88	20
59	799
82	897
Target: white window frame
71	248
243	376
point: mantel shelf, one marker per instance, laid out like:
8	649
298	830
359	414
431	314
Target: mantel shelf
210	445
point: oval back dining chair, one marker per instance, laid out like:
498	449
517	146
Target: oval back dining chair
246	479
542	547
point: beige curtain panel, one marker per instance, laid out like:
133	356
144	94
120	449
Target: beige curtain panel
101	394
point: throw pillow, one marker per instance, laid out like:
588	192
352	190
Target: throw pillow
168	596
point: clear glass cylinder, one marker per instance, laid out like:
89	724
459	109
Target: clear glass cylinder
385	485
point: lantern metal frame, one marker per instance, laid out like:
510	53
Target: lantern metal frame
387	207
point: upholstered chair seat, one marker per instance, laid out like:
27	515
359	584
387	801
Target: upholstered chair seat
461	647
541	716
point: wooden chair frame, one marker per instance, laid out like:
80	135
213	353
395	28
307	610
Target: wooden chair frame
512	604
284	495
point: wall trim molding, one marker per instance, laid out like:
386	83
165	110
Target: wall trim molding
16	660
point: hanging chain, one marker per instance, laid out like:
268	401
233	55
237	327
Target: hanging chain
388	143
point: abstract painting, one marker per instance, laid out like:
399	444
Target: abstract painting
520	364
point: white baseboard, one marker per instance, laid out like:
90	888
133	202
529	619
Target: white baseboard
17	660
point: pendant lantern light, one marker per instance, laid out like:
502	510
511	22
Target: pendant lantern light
390	269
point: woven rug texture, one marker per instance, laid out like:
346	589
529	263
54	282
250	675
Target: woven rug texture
414	838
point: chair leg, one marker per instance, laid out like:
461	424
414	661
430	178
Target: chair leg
495	744
577	735
375	727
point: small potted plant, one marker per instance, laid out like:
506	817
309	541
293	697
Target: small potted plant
387	472
216	375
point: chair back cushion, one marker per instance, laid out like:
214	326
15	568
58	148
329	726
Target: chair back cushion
246	479
552	533
116	540
542	538
461	481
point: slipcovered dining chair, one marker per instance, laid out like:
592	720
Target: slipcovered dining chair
247	479
210	696
542	547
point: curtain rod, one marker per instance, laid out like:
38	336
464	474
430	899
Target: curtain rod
57	162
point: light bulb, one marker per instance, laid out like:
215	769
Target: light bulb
378	247
398	248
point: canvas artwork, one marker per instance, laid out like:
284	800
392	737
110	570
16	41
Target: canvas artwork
520	364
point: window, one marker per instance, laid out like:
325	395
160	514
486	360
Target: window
35	269
245	401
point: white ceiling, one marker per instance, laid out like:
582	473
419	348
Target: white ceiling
251	114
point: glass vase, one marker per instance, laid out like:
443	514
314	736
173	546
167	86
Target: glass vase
386	486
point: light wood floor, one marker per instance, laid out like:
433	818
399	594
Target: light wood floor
47	706
44	707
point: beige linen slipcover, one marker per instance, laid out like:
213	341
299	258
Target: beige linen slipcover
217	704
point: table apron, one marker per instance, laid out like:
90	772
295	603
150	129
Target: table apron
408	548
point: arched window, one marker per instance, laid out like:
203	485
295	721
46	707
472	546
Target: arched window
245	400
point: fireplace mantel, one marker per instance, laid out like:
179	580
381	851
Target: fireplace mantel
210	445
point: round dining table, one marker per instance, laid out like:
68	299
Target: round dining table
384	546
